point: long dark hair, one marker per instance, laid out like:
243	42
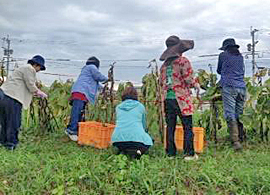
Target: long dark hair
233	50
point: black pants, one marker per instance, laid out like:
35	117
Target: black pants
130	148
10	120
172	110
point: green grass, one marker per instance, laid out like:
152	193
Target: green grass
52	165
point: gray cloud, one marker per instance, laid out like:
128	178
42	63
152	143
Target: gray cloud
122	29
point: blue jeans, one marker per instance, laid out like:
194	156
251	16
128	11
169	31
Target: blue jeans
233	102
78	107
10	120
171	111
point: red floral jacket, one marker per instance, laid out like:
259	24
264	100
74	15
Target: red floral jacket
183	79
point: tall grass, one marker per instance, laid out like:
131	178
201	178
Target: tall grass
53	165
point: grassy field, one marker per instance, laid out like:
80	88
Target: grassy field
53	165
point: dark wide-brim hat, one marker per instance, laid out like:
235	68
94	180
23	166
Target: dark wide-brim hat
37	59
176	46
230	42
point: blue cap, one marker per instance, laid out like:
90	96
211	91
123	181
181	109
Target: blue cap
37	59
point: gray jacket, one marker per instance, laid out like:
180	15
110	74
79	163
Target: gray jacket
21	85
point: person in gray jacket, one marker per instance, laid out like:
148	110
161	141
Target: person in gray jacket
17	92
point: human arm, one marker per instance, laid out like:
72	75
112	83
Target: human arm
220	61
40	94
162	78
98	76
144	120
29	77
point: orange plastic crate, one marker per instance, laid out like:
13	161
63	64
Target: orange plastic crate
95	134
179	138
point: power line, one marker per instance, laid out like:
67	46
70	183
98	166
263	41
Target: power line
70	62
79	60
56	74
147	39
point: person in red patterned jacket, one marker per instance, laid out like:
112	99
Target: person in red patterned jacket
177	79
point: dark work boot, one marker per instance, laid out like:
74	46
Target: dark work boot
234	134
242	133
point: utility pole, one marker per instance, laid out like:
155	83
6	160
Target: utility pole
2	78
252	32
7	51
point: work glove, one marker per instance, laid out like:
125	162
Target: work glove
41	94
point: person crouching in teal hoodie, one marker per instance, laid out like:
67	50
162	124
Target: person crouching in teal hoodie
130	135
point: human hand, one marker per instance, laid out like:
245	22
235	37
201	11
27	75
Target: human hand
41	94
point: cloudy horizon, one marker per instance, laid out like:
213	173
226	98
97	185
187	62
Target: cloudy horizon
126	30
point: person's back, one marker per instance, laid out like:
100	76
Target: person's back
21	85
231	68
131	123
87	82
84	90
176	80
17	92
130	136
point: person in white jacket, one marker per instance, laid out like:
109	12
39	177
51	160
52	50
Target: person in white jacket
16	93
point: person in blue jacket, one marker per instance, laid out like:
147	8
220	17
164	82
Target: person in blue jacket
84	90
232	70
130	135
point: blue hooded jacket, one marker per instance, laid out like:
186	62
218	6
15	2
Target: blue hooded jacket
131	123
87	82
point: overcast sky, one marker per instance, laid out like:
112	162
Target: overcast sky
129	29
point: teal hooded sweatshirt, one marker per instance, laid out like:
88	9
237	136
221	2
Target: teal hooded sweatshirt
131	123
